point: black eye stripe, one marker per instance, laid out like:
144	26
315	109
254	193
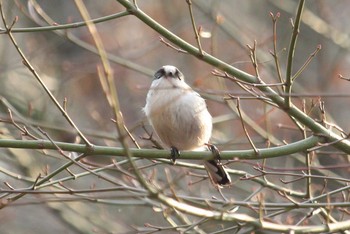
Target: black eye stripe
159	73
178	74
169	73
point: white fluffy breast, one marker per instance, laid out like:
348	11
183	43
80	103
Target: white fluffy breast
178	114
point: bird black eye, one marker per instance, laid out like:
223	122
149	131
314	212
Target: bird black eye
159	73
178	74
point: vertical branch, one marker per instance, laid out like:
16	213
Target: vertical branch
292	45
308	161
189	2
309	177
253	59
274	53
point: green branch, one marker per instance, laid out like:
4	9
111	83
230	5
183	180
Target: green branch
292	45
66	26
278	151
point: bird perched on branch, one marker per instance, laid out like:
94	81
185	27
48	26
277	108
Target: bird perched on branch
180	118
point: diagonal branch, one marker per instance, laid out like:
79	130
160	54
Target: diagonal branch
293	111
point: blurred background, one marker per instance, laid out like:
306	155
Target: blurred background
67	63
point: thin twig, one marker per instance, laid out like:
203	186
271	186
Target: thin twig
150	138
274	53
23	129
130	135
243	85
85	45
226	75
245	129
307	62
53	26
74	161
172	46
254	60
36	75
189	2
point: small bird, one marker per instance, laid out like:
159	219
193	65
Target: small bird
180	118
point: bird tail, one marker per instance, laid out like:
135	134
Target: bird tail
217	173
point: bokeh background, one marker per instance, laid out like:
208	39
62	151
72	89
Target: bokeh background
68	66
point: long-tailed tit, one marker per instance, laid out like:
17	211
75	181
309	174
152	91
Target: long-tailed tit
180	118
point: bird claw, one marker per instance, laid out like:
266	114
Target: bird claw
214	150
174	154
216	171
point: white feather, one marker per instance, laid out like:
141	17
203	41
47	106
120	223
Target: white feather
180	118
177	113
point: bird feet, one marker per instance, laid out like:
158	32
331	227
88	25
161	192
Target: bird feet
214	150
174	154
